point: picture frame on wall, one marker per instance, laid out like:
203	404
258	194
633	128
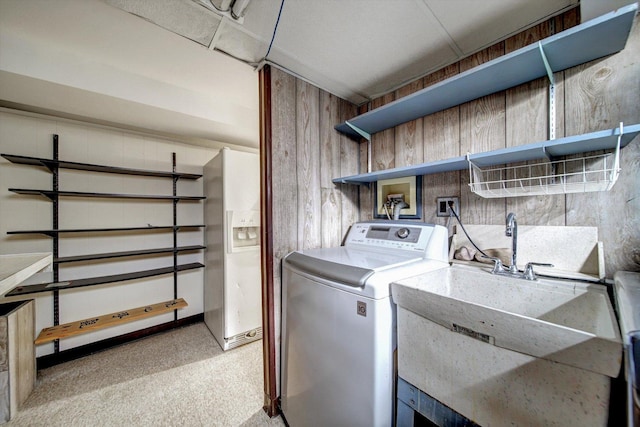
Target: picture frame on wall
389	191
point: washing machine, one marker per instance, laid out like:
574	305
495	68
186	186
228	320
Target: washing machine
339	322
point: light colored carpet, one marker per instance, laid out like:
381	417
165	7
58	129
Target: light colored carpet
177	378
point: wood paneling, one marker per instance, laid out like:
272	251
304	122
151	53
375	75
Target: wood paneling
441	140
409	142
383	147
331	220
527	120
599	95
591	97
307	209
482	128
308	165
284	178
366	191
349	165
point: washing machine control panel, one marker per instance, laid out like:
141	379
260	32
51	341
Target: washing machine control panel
387	235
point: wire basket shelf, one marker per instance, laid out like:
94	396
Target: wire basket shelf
575	175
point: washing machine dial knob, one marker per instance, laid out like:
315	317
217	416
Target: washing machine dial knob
403	233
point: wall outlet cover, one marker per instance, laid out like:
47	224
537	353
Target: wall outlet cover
442	207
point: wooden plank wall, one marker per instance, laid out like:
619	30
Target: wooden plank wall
591	97
309	211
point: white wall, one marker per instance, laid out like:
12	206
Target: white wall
87	59
31	135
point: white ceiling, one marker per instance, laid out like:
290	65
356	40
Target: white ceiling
89	61
168	67
355	49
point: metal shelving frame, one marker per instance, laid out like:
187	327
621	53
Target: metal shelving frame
54	165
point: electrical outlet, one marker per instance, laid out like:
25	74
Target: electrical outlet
442	208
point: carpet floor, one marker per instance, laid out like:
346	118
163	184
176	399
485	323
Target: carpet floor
176	378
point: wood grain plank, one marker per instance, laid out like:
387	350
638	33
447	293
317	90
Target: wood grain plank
308	165
482	128
409	145
329	116
365	192
84	326
284	179
599	95
24	376
349	165
383	143
441	141
527	120
330	168
383	153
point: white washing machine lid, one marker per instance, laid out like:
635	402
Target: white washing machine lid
348	266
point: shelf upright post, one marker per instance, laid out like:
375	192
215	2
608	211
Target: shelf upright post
552	93
55	241
175	234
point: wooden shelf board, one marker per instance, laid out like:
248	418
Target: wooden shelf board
107	320
50	163
92	281
591	40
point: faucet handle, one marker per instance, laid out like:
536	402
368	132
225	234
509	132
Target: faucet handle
528	269
498	268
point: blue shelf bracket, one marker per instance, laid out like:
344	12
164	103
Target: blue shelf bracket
616	159
552	93
359	131
366	136
552	163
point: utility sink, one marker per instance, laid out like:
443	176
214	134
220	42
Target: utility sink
560	320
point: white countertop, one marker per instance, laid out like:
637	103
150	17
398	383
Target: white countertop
16	268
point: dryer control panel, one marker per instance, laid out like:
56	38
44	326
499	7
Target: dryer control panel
412	236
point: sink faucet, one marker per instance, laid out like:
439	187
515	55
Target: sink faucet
512	231
512	270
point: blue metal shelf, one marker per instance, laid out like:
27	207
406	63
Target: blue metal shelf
601	140
591	40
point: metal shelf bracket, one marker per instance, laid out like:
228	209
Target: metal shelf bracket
552	93
360	132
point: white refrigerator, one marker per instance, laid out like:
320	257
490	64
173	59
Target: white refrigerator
232	288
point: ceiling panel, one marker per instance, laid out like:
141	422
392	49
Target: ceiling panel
474	24
186	18
355	49
369	46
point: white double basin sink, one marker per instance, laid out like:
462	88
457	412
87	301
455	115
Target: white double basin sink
554	319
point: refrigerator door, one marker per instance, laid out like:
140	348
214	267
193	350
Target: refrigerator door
243	297
232	289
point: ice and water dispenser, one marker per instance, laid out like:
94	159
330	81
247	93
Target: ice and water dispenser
243	230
